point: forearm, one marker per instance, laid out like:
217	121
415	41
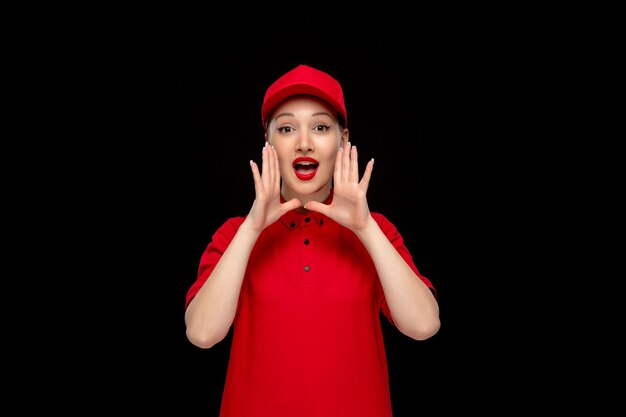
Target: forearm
413	307
212	311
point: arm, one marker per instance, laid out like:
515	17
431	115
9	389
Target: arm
412	304
210	314
413	307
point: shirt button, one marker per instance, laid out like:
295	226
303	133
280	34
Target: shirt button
321	221
306	241
307	268
292	225
308	219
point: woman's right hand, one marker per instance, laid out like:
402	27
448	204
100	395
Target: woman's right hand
267	207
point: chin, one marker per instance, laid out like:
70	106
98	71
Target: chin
302	188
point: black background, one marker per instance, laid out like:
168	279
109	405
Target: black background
165	119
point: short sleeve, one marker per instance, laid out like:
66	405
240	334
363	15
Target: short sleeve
397	241
213	253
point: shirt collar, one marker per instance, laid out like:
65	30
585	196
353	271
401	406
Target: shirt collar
294	218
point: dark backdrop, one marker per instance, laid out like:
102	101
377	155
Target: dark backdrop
170	117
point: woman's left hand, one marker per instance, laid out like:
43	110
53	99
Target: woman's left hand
349	204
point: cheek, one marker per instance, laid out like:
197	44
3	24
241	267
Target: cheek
330	156
284	161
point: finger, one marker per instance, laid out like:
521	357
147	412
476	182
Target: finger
255	174
265	169
367	175
345	162
317	206
292	204
275	178
270	163
338	159
354	166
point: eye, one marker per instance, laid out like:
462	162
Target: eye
321	128
285	129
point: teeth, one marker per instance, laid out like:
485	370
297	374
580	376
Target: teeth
306	163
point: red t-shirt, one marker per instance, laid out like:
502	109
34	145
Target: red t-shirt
307	337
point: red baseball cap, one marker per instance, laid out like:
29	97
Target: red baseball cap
304	80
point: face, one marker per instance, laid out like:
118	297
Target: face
307	135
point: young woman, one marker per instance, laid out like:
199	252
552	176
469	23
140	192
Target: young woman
304	276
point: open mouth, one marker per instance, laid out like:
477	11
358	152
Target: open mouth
305	168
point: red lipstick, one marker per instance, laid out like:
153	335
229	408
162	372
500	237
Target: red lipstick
305	168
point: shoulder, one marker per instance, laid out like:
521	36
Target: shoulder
234	222
229	228
379	217
382	220
388	228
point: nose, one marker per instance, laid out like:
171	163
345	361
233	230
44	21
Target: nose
305	142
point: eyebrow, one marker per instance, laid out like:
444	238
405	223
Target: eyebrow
321	113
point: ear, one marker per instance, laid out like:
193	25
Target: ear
345	137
